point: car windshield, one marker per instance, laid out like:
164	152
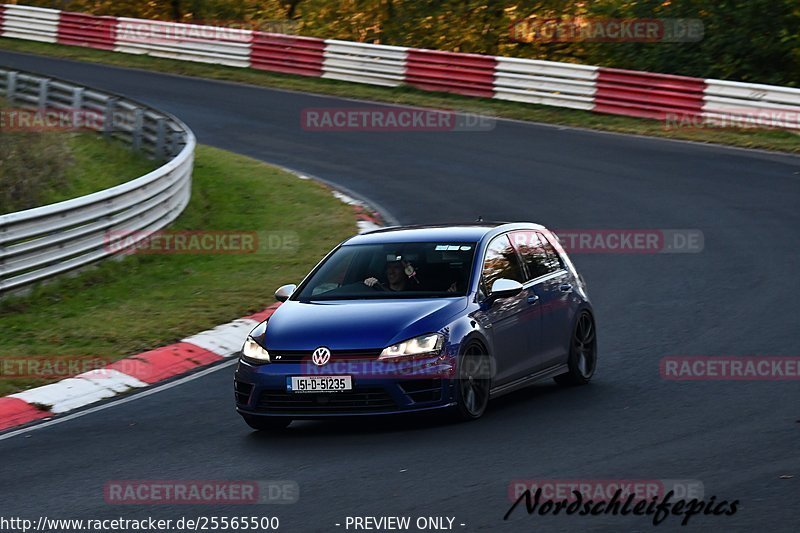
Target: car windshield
392	270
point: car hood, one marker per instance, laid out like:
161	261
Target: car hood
356	325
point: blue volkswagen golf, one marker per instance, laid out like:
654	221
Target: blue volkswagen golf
419	318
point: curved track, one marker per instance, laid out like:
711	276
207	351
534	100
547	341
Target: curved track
737	297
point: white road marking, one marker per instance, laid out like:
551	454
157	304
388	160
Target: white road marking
121	401
365	226
225	339
68	394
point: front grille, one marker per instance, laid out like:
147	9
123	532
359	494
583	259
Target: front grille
304	356
242	391
361	400
423	390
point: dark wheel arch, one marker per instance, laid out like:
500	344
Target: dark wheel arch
582	355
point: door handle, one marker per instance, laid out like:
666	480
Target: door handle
566	287
532	299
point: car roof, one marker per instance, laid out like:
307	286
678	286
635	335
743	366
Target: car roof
469	232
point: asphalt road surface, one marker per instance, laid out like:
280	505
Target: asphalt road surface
736	297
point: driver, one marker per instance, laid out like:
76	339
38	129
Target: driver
395	276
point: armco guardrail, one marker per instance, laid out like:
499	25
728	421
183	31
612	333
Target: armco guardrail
189	42
545	82
725	99
373	64
40	243
287	54
646	95
78	29
467	74
590	88
30	23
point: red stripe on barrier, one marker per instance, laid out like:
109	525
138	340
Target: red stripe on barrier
647	95
366	217
14	412
79	29
467	74
287	53
162	363
2	9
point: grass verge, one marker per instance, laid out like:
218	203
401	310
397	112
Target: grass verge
145	301
746	138
43	168
97	164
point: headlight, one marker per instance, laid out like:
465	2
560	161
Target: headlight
430	344
253	350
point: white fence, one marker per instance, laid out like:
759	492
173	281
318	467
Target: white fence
187	42
751	103
39	243
373	64
545	82
30	23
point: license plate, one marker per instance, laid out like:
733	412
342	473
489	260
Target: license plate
319	383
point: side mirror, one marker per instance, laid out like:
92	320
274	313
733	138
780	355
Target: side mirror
505	288
283	293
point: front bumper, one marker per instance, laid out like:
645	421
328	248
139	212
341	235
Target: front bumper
261	390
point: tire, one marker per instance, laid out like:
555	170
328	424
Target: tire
582	359
266	423
474	382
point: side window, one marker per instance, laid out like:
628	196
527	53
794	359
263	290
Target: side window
539	256
553	260
501	262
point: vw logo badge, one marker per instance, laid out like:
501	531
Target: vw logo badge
321	356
